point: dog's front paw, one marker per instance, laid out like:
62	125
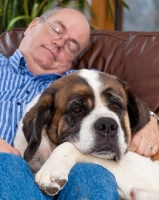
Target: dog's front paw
52	180
53	175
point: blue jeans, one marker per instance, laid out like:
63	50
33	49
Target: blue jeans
86	182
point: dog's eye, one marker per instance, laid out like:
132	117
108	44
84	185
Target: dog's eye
76	109
115	106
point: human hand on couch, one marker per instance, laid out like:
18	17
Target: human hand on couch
146	141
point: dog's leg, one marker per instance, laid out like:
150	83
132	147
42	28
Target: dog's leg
53	175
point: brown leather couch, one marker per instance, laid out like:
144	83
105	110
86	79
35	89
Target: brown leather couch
132	56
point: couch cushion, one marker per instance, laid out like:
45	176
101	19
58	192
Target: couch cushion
102	47
10	40
137	62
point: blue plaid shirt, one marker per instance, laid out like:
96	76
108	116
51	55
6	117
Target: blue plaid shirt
18	87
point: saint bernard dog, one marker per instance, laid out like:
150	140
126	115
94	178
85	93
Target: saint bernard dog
87	116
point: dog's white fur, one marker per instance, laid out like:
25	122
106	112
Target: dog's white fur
137	176
20	141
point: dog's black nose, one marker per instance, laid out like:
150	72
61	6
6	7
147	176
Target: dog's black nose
106	125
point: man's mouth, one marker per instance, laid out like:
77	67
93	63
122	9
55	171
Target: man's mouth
51	52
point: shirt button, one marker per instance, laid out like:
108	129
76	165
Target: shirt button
27	92
18	103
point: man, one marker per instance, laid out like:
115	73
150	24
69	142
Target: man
51	44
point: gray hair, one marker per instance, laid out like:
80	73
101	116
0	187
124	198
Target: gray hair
75	61
48	13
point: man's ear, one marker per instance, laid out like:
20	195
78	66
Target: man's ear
31	25
35	121
138	111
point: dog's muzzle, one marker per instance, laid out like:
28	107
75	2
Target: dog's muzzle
106	145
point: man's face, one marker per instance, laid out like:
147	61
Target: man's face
46	54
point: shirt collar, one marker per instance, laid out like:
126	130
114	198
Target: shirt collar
17	60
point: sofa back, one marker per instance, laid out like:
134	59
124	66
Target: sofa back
132	56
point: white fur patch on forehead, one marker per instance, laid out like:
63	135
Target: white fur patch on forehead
92	78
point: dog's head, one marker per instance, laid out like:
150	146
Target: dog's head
95	111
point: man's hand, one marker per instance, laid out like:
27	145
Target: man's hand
5	147
146	141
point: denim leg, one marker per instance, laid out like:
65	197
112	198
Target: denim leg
89	182
17	181
86	182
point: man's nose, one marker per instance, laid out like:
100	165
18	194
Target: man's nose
60	43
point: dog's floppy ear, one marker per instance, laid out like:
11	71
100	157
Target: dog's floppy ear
138	111
35	120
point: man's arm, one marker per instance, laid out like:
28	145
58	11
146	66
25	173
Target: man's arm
146	141
5	147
